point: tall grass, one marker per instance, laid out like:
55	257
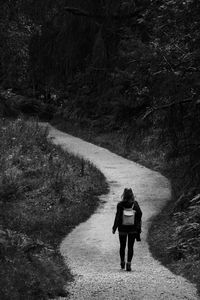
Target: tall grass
44	193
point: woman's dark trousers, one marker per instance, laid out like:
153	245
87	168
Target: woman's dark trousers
123	241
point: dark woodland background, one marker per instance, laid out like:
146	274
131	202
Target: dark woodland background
125	71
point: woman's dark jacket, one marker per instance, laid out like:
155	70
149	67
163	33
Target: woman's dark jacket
136	228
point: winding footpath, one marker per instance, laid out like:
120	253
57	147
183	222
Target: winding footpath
92	252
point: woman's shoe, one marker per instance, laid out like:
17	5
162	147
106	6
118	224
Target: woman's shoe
122	265
128	266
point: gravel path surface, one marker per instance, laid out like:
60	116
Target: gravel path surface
92	252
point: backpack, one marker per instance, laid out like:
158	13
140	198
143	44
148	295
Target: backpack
128	216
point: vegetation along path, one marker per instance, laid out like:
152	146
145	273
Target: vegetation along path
91	251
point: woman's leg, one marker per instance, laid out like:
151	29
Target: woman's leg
131	240
122	240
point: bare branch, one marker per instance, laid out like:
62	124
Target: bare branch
195	166
166	106
83	13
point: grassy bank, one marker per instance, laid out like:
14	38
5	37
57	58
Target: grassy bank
174	235
44	193
174	241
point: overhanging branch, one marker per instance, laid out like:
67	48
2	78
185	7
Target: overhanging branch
166	106
84	13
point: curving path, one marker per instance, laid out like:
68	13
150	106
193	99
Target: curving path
91	251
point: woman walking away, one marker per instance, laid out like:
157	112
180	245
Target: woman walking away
128	221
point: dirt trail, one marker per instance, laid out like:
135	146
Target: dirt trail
91	250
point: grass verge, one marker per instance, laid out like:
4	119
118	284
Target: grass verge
172	247
44	193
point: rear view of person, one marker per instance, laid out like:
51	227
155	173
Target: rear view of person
128	221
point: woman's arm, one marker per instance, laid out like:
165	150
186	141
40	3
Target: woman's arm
117	218
139	217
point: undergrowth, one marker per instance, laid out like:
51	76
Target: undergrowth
44	193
